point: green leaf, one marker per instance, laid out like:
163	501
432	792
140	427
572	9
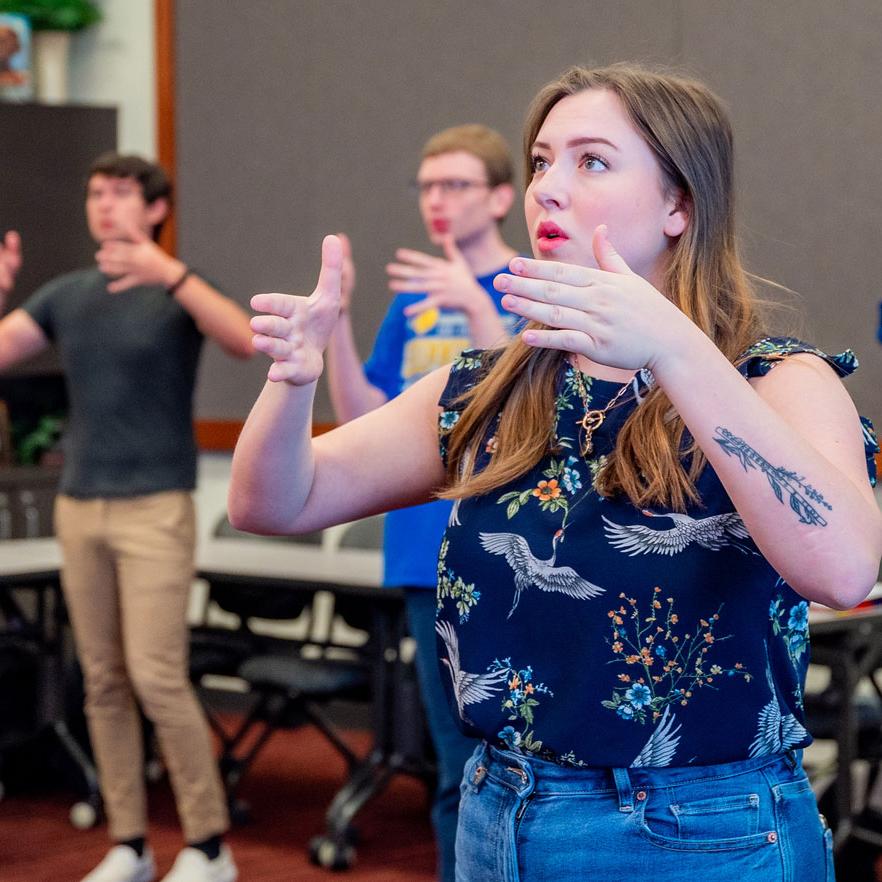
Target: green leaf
55	15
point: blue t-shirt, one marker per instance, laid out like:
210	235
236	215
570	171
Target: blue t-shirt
586	631
406	349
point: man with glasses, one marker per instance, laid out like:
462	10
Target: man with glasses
443	305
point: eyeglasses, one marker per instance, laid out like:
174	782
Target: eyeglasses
447	186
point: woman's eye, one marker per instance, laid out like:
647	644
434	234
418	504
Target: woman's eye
591	162
538	164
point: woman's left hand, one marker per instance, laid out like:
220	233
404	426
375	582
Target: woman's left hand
611	315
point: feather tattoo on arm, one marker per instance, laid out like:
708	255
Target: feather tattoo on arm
801	496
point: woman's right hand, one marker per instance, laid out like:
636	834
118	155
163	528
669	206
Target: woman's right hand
295	330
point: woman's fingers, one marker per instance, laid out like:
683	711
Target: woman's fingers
551	314
272	346
277	304
330	276
271	325
545	290
566	341
554	271
279	371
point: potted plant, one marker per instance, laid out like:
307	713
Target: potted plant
53	21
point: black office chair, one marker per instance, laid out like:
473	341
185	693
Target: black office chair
290	680
38	725
292	690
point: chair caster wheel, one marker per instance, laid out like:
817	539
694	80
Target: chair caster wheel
325	852
240	812
85	814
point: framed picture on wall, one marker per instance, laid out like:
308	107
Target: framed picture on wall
16	76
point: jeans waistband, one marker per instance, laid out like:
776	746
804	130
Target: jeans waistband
526	773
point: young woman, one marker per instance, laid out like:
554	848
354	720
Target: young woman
649	492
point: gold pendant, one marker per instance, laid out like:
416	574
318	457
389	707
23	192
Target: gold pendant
592	420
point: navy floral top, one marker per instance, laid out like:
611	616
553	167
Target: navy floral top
588	632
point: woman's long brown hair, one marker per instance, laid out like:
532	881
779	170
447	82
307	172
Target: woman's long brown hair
686	127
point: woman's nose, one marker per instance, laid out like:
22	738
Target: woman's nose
550	190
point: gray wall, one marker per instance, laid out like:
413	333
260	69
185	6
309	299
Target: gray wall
301	118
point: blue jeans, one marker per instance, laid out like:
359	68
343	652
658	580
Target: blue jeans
526	820
452	748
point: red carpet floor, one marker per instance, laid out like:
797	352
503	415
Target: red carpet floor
289	788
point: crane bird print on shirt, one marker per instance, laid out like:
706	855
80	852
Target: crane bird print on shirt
659	750
776	731
467	688
530	570
713	532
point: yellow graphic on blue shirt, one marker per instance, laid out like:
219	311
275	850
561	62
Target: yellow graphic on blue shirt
440	337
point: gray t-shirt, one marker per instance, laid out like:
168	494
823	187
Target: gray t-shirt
129	362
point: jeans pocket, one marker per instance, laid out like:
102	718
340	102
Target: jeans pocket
726	822
730	816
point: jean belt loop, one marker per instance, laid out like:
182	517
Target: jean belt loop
792	759
623	787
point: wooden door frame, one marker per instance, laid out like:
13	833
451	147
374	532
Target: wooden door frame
164	24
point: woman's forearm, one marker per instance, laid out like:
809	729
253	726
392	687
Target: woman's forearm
273	465
804	497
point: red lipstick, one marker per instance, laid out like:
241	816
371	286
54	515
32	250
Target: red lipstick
549	237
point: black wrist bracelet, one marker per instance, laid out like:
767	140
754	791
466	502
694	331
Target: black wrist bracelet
181	279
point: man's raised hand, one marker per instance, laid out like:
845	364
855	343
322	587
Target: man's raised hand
136	260
448	281
294	330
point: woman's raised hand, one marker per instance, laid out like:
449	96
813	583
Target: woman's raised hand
610	314
295	330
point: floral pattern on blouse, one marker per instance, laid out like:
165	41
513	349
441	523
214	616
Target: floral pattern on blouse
587	631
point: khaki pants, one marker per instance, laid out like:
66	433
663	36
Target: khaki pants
128	565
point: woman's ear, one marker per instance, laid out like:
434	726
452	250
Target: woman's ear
679	213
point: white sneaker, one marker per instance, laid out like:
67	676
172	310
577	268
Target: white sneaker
193	865
122	864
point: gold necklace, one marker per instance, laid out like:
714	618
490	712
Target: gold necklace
593	417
